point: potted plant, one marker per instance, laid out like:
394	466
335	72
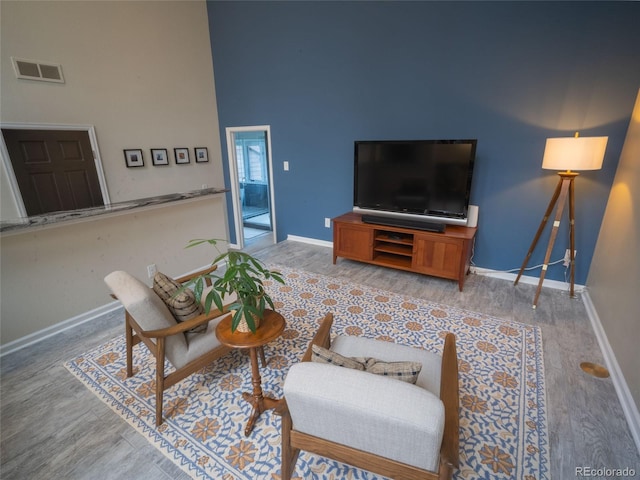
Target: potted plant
244	275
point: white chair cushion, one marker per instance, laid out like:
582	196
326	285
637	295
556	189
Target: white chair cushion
372	413
201	343
429	378
151	313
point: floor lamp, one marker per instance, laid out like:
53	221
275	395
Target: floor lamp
566	154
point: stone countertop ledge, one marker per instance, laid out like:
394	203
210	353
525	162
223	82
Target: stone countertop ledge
56	218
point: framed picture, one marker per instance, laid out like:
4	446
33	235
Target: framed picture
182	155
134	158
159	156
202	154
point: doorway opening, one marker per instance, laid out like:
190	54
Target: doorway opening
251	184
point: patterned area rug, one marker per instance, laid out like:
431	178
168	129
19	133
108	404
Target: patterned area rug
503	429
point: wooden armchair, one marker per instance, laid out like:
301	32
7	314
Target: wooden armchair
149	320
373	422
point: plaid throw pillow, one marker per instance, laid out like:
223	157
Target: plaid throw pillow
184	305
403	371
322	355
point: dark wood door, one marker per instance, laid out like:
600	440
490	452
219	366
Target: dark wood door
55	169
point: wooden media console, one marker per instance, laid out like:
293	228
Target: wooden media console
444	255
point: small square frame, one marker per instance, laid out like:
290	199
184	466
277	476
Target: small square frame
133	158
159	156
202	154
182	156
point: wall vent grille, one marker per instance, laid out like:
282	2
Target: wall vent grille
35	70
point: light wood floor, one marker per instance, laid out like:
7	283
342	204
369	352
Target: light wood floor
53	427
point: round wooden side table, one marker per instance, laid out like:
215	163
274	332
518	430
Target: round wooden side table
271	327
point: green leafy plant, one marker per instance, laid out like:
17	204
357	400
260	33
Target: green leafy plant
244	276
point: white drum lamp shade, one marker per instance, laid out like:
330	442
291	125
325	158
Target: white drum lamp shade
574	153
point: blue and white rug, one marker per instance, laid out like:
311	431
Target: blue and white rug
503	420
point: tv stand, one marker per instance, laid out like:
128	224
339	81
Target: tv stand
444	255
404	222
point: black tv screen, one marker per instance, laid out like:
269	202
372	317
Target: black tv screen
423	177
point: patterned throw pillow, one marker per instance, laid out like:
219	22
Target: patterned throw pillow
404	371
322	355
184	305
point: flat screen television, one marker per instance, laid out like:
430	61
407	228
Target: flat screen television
421	180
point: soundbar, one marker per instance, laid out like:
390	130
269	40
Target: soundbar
404	222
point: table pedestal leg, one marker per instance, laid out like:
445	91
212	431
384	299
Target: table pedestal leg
259	402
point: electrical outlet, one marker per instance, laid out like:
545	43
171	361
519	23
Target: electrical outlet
327	222
567	257
151	270
285	165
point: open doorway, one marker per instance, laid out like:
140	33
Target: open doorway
251	180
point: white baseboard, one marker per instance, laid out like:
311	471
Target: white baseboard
58	327
311	241
558	285
629	406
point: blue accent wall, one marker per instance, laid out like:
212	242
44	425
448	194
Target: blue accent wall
511	74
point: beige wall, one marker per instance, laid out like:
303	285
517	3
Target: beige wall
141	73
614	277
54	274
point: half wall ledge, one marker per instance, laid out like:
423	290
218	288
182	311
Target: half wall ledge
22	225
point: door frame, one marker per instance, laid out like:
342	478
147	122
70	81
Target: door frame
235	184
8	166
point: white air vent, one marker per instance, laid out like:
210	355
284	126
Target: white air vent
34	70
